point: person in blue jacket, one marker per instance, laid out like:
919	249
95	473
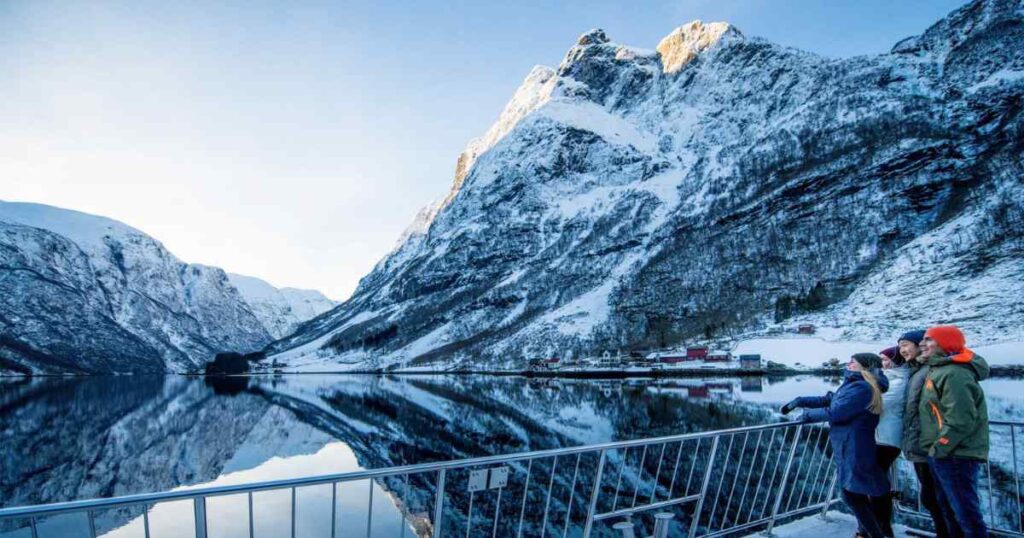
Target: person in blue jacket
852	413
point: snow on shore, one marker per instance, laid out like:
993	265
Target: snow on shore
805	352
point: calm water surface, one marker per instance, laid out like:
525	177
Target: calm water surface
68	439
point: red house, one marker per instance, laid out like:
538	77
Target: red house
673	359
805	329
698	392
694	353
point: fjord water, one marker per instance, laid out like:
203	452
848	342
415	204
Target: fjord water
75	438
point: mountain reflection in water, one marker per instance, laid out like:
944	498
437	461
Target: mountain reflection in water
67	439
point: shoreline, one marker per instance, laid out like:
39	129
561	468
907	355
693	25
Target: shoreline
1012	372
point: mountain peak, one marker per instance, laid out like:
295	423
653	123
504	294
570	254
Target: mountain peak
592	37
684	43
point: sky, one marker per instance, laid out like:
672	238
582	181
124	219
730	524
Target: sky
294	141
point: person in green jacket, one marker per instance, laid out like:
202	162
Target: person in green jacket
909	345
954	426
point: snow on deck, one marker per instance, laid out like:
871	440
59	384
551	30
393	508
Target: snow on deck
838	524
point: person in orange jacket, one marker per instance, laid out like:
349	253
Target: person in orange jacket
954	427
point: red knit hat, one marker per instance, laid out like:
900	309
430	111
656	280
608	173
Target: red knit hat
949	338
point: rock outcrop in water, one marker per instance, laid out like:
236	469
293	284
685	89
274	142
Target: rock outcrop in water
631	198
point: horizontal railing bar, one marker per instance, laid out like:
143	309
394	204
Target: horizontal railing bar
152	498
646	507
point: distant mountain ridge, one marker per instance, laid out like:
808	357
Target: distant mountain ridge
720	184
281	310
81	293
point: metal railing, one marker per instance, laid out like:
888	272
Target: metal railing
999	484
705	484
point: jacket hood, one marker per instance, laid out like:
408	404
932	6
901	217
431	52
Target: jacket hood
883	382
901	371
966	358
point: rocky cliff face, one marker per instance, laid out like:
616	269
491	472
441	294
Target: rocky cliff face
81	293
720	184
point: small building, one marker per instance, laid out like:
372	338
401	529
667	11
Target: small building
697	352
718	356
607	360
805	328
750	362
674	358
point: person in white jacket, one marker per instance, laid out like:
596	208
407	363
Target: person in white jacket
889	434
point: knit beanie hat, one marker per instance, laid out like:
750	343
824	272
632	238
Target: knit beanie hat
912	336
893	354
867	360
949	338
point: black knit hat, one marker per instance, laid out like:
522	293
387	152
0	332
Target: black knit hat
912	336
867	360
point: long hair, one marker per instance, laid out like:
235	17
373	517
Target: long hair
876	393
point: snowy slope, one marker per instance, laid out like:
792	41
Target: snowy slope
280	310
80	292
632	199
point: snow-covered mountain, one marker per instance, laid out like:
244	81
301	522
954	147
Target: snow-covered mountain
280	310
82	293
720	183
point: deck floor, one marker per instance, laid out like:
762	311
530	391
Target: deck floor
838	525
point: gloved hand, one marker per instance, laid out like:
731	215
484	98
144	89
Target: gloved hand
788	408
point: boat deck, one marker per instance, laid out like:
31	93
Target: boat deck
838	525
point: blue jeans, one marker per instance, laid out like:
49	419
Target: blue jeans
956	489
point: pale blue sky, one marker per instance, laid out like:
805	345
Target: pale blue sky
294	141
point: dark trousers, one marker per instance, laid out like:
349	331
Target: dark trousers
882	505
862	509
956	489
928	500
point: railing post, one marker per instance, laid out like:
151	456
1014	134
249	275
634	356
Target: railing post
661	523
785	478
828	498
252	525
439	503
293	512
626	528
592	504
369	511
1016	477
199	504
991	507
695	522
